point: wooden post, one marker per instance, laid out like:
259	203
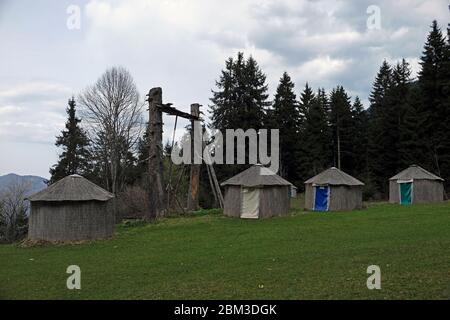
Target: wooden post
192	200
155	167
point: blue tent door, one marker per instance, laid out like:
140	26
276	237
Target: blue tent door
406	193
321	198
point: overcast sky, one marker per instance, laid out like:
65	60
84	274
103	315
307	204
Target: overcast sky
181	46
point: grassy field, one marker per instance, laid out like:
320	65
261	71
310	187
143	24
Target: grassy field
208	256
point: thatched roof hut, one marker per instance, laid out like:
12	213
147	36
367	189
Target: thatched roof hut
71	209
333	190
415	185
256	193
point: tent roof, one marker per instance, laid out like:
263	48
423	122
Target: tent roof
256	175
72	188
415	172
334	176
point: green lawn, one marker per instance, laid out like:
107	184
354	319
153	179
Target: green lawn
208	256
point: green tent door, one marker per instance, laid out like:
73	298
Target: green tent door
406	193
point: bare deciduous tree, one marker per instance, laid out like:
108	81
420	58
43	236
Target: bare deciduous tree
13	212
113	112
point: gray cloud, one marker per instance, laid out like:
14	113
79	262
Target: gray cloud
181	46
32	112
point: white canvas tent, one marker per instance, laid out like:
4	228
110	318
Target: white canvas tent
256	193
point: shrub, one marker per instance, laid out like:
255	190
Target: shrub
13	213
133	203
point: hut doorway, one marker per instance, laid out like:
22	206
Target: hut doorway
321	198
250	203
406	192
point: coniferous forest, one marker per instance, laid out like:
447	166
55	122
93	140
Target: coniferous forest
406	123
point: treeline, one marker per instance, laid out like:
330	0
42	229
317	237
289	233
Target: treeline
316	129
405	123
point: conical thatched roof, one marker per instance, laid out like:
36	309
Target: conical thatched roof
417	173
256	175
72	188
334	176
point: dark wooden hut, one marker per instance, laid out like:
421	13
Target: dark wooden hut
333	190
71	209
415	185
256	193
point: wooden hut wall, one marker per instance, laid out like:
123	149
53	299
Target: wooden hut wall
71	221
232	201
423	191
345	198
427	191
274	201
394	192
309	197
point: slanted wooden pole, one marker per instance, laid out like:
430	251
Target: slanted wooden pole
192	200
155	167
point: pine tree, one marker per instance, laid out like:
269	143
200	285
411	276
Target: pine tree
73	140
392	117
398	106
241	98
434	83
412	146
240	101
432	68
341	124
377	142
285	115
306	99
359	139
317	146
256	95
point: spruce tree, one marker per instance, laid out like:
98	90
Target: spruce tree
434	81
74	158
341	128
285	115
255	102
359	136
377	141
304	155
240	101
412	146
396	104
432	68
317	146
306	99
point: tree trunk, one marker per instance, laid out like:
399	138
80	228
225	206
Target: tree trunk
155	176
192	201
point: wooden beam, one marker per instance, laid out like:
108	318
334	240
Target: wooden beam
155	165
167	108
192	201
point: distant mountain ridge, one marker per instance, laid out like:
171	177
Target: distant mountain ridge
34	183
